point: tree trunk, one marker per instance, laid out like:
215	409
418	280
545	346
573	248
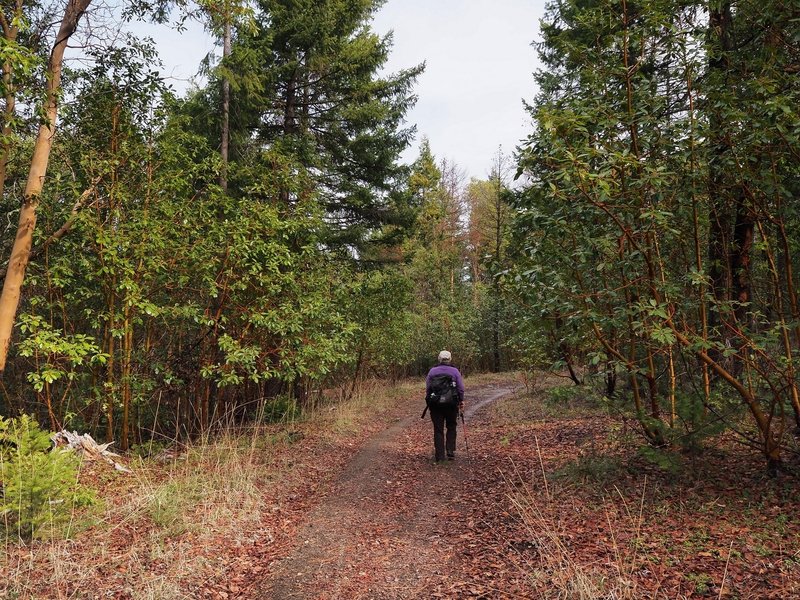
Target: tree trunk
127	395
565	350
110	388
65	228
498	246
740	260
226	104
611	379
770	444
10	32
20	251
720	192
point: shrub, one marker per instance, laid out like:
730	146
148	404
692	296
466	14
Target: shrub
280	409
565	395
667	461
590	467
39	487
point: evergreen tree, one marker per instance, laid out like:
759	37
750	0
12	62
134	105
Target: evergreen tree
310	90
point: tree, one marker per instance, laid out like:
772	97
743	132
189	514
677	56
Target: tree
489	220
320	99
20	251
223	19
648	198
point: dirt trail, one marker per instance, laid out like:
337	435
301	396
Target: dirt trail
383	531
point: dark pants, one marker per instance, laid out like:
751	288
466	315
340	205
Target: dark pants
440	416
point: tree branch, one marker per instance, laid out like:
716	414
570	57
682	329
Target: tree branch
66	227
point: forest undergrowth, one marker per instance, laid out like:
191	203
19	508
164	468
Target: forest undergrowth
188	517
597	516
562	503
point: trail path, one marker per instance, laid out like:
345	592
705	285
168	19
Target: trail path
555	499
385	531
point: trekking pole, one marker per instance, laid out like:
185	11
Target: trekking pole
464	427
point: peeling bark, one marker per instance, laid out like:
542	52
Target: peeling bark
20	251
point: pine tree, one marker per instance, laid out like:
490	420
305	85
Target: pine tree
320	101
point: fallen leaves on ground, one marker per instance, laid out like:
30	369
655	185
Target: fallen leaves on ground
545	503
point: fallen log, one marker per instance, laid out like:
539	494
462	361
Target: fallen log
87	448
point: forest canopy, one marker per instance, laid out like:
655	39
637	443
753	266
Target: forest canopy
191	260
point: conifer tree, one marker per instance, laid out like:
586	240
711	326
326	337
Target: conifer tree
315	95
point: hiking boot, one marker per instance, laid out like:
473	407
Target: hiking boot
451	457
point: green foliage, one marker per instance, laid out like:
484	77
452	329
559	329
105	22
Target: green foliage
315	93
451	305
169	504
165	288
168	301
40	487
645	238
589	467
702	582
384	338
280	409
148	449
662	458
56	356
698	423
564	395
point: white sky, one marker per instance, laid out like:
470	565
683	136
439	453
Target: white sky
479	65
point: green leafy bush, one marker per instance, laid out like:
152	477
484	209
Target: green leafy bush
280	409
61	355
564	395
693	425
39	486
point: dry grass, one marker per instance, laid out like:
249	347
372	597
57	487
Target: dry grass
211	490
555	569
347	416
158	528
556	573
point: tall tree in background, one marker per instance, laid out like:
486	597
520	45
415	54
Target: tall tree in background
443	312
320	98
489	221
223	19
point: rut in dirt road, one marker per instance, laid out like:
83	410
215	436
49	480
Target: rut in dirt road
384	530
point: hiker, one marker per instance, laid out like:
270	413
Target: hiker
444	395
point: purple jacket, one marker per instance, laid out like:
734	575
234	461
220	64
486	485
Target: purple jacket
443	369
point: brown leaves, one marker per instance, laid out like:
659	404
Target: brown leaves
367	515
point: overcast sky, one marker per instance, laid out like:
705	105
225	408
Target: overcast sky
479	65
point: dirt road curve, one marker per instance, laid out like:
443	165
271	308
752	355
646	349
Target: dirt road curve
384	531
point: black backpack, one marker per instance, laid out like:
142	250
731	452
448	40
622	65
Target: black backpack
443	392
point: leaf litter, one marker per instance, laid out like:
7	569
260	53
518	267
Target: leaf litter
542	505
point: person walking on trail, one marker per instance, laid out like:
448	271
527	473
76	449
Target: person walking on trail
444	397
